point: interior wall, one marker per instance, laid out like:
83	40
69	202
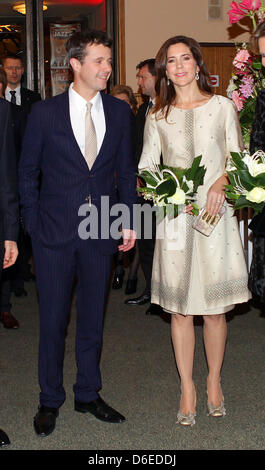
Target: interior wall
148	23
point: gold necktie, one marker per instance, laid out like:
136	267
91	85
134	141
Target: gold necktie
90	138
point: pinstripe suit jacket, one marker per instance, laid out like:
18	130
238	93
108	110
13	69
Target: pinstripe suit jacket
50	151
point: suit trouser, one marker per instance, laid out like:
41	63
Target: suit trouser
55	273
147	246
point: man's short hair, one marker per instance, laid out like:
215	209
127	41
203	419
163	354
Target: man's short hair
12	56
150	64
77	42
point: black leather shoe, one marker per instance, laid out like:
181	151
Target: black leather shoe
131	285
100	410
143	299
117	280
45	420
154	309
4	441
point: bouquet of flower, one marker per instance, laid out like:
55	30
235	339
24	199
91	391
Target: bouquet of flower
247	76
246	174
170	188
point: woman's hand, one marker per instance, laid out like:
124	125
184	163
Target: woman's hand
188	209
216	195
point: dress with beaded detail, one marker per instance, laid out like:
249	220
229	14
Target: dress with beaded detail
194	274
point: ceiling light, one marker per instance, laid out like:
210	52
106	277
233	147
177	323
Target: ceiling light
21	7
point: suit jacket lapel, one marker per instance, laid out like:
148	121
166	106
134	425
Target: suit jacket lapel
69	130
107	132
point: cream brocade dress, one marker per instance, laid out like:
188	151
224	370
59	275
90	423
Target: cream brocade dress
194	274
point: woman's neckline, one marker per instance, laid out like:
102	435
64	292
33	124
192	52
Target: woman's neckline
195	107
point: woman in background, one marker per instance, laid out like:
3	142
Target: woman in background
200	275
125	93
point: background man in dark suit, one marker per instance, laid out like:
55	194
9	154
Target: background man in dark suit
15	92
8	200
77	148
23	99
146	78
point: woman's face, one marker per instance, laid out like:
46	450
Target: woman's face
181	65
262	49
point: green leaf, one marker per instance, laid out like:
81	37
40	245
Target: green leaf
238	161
195	209
260	180
166	187
170	211
160	213
191	172
145	175
257	65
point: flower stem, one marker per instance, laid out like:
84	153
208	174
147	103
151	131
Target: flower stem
252	16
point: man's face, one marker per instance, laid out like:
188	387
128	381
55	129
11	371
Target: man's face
14	71
92	75
146	81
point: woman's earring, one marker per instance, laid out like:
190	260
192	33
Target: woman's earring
168	82
197	76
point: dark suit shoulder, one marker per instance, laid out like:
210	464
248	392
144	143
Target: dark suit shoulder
112	101
32	95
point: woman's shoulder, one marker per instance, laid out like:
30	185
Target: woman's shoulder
223	100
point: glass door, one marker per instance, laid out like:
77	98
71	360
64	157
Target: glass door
55	24
37	31
13	35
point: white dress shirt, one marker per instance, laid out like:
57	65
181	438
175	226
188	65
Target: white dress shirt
18	95
78	109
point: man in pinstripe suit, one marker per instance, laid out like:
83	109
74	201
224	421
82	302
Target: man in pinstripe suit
55	147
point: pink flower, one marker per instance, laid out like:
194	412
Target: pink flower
237	99
246	89
235	14
241	58
238	12
250	5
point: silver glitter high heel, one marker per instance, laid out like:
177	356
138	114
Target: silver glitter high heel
187	419
216	411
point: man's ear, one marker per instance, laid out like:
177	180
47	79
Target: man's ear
75	64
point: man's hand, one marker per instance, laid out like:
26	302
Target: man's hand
129	237
140	184
10	254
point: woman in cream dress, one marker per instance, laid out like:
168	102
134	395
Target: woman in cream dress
194	274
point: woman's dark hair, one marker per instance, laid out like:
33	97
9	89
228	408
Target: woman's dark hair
259	33
77	42
119	89
3	80
166	94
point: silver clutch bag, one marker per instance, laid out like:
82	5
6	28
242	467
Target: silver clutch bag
205	222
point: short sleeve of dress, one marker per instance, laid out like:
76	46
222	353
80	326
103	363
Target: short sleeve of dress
233	134
151	146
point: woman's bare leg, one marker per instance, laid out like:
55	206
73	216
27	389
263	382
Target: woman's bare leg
215	333
183	338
